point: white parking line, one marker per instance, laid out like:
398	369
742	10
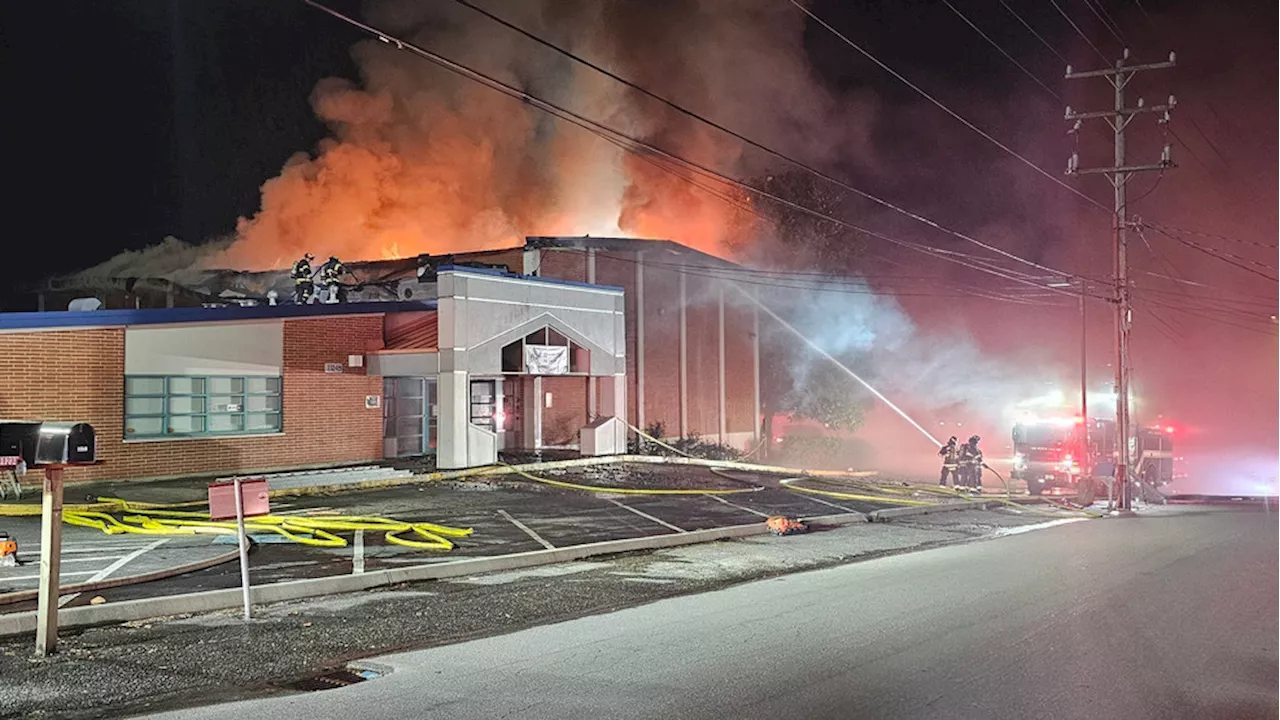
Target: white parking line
357	553
37	577
34	548
828	504
95	558
647	516
745	509
526	530
104	572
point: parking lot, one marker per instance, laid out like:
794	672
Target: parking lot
508	515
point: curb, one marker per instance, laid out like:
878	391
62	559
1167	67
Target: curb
893	513
211	600
26	595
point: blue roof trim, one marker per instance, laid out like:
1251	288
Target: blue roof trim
531	278
169	316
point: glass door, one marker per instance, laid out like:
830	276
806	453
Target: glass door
408	416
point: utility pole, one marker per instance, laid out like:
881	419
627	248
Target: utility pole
1119	174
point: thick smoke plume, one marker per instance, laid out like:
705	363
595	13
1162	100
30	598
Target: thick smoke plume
422	160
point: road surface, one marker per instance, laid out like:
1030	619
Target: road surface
1169	615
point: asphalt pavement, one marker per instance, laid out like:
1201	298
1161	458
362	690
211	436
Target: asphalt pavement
1169	615
507	514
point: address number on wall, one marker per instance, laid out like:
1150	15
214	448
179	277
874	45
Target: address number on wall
333	368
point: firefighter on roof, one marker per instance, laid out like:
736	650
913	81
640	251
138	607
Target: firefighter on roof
949	454
303	285
330	274
971	465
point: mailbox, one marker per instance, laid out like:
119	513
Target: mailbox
48	443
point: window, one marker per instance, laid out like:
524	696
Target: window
186	406
515	355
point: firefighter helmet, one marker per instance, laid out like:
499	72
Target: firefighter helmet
974	440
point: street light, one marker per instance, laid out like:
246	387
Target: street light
1085	469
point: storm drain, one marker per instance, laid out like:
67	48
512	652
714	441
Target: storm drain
332	679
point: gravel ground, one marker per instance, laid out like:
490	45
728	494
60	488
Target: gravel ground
171	662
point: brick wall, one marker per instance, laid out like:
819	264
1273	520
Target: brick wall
74	375
619	270
662	348
568	412
79	375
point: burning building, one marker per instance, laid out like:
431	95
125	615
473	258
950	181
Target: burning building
560	343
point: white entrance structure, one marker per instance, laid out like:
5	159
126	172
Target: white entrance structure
495	336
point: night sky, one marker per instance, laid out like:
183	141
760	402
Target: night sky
164	118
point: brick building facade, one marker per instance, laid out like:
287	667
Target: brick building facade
687	341
79	374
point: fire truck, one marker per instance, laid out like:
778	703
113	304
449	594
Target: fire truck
1058	454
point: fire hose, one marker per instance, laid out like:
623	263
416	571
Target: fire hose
164	519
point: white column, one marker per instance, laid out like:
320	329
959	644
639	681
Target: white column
539	402
613	400
454	398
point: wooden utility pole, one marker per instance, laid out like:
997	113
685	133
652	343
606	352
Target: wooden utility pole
50	563
1119	173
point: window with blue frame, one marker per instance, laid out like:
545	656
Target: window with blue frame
193	406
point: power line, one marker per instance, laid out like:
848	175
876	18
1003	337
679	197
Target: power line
1080	32
1222	255
1223	301
1188	148
1209	141
1167	330
1146	14
832	278
980	264
946	109
1213	236
1106	21
1037	35
760	146
1219	321
1002	51
1255	299
830	284
636	146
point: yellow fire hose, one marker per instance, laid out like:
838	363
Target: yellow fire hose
163	519
790	484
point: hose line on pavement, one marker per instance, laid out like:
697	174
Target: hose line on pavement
626	491
139	518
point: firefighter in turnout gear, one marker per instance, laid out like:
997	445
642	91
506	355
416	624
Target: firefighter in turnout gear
971	465
303	285
950	455
330	275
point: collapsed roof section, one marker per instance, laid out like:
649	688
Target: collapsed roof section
404	279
